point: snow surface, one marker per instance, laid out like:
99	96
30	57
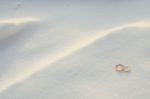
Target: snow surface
67	49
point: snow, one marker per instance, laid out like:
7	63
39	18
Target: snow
69	49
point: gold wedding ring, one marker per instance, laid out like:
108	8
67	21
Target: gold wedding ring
121	67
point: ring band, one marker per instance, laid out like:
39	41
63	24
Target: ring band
120	67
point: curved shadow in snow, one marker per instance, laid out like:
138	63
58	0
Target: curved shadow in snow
70	50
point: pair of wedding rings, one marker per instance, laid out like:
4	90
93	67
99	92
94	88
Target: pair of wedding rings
121	67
